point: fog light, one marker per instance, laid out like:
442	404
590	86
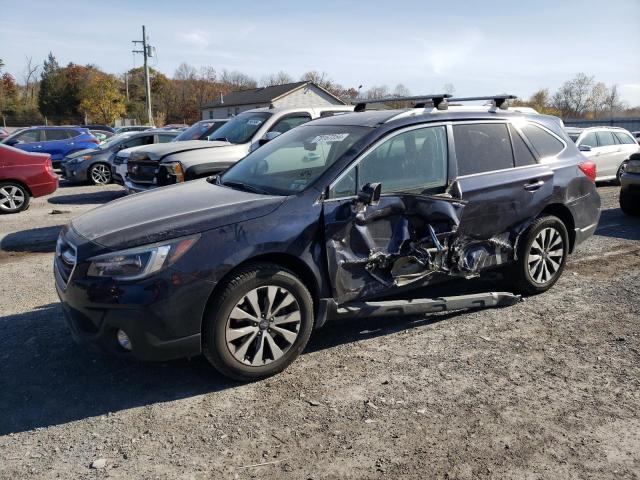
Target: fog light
123	339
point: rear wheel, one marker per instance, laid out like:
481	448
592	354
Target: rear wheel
259	323
100	174
14	197
542	255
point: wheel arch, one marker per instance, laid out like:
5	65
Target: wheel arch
564	214
19	182
288	261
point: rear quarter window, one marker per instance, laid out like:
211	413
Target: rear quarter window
482	147
543	142
521	152
624	138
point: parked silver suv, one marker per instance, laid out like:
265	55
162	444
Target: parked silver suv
608	147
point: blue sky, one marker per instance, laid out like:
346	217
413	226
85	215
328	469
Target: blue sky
481	47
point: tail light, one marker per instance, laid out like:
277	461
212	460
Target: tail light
589	169
48	166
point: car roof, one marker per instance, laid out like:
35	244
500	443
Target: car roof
410	116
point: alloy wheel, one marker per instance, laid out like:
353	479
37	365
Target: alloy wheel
263	325
11	198
545	255
100	174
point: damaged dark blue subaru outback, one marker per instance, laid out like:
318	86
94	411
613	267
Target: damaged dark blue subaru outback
323	222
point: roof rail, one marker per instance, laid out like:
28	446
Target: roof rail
500	101
439	101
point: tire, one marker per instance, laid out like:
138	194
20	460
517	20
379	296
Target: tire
245	346
619	173
530	275
99	174
629	205
14	197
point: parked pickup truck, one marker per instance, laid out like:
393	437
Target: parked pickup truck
168	164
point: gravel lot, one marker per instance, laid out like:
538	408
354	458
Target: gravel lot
546	389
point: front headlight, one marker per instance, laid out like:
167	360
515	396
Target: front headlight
139	262
80	159
633	166
174	169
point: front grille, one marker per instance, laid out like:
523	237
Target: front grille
65	259
142	172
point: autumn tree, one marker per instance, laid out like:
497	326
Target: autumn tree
574	96
102	99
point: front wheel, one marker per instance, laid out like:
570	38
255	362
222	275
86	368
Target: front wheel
100	174
258	324
542	256
14	197
620	171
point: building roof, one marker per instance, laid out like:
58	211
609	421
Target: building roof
260	95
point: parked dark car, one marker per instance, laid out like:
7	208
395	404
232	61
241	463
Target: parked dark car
56	141
630	187
134	128
322	222
94	165
24	175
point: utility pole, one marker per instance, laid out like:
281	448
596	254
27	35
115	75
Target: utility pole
146	51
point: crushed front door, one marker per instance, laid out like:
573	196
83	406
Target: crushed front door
403	239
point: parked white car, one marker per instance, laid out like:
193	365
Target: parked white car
231	142
608	147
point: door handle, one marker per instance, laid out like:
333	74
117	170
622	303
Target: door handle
531	187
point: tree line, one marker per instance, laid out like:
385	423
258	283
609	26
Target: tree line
75	93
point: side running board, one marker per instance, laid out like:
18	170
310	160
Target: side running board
420	306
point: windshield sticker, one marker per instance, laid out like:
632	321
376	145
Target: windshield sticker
334	137
254	121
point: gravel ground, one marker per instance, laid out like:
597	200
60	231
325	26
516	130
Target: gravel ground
546	389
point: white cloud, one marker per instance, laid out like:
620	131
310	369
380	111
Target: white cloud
630	93
198	39
445	52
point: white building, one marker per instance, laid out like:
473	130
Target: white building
298	94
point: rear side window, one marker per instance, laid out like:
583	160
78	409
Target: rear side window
57	134
605	138
543	142
165	138
624	138
482	147
589	140
521	152
73	133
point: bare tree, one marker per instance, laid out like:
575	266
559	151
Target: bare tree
448	88
30	75
279	78
574	96
235	80
613	103
377	92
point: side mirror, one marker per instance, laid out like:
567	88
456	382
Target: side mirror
370	193
584	148
267	137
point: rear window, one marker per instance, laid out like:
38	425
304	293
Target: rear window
624	138
57	134
521	152
605	138
482	147
543	142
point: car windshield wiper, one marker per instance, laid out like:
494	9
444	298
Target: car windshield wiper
244	186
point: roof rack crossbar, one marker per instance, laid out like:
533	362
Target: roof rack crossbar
439	101
500	101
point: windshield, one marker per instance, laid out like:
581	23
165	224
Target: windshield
199	131
291	162
114	140
240	129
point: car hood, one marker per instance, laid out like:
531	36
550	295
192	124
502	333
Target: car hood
86	151
160	150
171	212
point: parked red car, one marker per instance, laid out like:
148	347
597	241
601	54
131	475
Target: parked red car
24	175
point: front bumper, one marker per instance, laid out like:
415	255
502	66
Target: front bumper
161	314
115	176
74	173
630	185
132	187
